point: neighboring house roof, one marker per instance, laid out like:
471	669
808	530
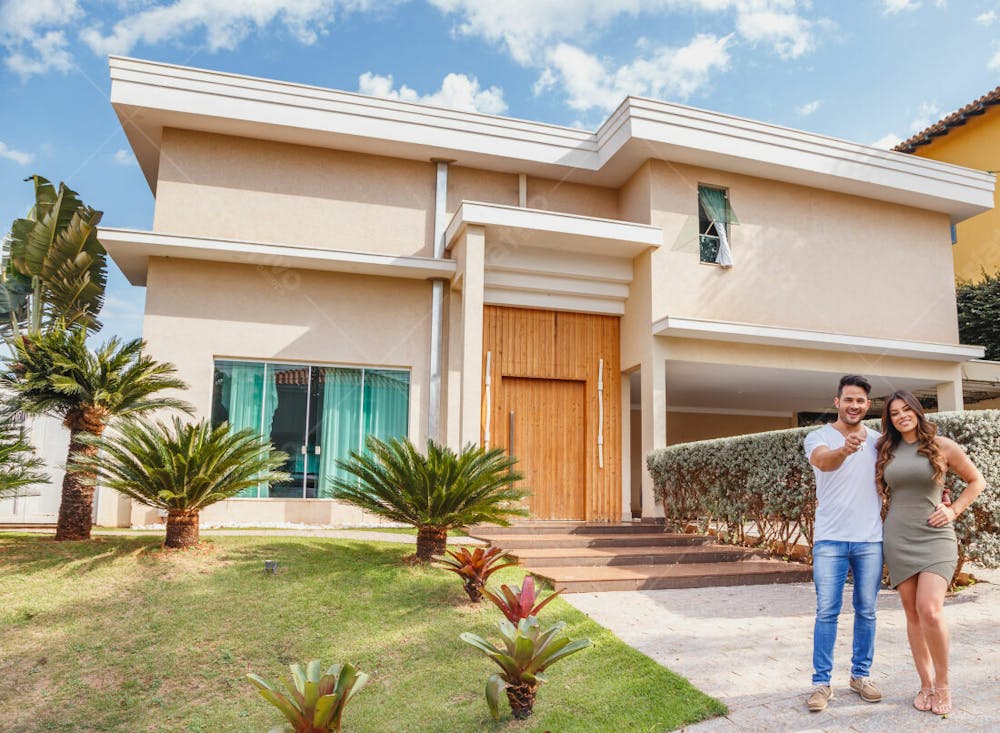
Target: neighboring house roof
150	96
955	119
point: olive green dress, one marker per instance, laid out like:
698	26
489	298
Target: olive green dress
911	545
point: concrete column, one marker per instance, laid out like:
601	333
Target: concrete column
949	395
654	420
472	261
626	474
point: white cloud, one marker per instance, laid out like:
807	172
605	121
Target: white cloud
994	63
804	110
987	19
457	91
887	142
668	72
528	28
927	114
124	156
224	22
17	156
789	34
891	7
32	35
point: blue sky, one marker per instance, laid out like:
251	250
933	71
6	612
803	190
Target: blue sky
873	71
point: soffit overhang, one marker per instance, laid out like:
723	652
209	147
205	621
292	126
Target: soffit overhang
747	333
150	96
132	249
513	226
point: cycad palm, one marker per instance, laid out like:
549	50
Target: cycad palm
182	468
55	373
434	493
19	467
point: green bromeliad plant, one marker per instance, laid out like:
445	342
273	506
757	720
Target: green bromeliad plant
475	567
315	701
527	652
517	603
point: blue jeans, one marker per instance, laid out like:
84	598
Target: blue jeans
831	560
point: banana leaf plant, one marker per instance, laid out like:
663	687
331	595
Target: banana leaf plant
315	702
517	603
527	652
475	567
55	268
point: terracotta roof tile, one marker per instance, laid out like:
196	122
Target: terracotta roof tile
955	119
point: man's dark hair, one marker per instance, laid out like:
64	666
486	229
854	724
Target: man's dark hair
854	380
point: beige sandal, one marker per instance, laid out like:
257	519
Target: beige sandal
924	699
942	701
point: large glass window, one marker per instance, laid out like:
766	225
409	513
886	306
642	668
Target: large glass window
315	414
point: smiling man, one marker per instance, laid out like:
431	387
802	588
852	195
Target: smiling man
847	536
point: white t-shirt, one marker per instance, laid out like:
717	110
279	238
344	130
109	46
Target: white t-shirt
847	503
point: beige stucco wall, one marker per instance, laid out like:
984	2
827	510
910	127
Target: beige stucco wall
197	311
255	190
685	427
804	258
572	198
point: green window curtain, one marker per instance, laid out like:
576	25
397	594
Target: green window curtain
340	422
250	400
716	206
387	403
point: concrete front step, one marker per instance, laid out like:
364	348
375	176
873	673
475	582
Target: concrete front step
589	579
570	528
535	557
538	541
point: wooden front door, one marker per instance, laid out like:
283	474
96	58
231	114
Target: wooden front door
545	419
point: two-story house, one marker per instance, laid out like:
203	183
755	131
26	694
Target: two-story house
324	266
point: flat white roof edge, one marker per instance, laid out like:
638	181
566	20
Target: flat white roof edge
799	338
127	246
477	212
535	143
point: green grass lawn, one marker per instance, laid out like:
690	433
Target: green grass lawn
117	634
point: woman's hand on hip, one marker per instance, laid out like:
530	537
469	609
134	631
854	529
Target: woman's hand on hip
941	516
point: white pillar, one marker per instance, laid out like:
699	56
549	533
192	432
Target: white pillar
471	257
949	395
626	430
654	420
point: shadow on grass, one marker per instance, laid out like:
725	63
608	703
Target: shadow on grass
153	640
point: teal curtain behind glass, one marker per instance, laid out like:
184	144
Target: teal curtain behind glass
246	392
340	422
387	402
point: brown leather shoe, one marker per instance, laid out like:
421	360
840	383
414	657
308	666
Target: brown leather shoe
821	695
866	688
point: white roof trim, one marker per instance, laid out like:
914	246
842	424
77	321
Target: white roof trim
149	96
131	250
797	338
553	230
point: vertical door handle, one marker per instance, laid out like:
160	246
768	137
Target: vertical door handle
510	434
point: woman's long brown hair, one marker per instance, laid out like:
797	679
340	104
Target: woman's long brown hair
891	437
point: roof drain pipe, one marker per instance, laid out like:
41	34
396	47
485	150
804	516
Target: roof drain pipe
437	304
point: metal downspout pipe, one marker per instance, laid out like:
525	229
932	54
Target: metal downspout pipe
437	305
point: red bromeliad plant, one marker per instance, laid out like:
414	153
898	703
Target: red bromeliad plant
518	603
475	567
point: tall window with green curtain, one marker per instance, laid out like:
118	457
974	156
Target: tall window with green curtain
715	215
315	414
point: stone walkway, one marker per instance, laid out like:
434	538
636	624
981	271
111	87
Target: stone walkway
751	647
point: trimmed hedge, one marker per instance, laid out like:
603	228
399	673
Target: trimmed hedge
760	490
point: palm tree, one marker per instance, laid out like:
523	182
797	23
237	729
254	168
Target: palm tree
182	468
18	464
54	373
55	269
434	493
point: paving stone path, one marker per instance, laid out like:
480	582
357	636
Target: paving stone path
751	647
